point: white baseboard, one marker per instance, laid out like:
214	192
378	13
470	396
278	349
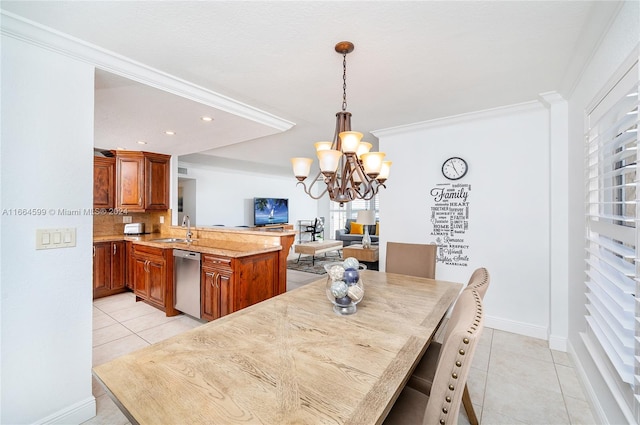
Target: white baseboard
558	343
525	329
75	414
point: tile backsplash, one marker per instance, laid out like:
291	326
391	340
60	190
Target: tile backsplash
111	224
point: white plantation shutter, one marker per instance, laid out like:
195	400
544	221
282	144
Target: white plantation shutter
611	233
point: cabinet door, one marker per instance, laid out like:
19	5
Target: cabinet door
156	280
104	186
208	294
156	182
129	265
140	286
101	268
216	295
225	294
117	265
130	182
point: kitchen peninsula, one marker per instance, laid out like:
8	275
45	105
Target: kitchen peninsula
240	266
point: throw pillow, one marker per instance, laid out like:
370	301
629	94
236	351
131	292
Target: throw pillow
356	229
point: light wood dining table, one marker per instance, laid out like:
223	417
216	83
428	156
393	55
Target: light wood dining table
287	360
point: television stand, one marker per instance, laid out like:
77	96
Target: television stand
275	227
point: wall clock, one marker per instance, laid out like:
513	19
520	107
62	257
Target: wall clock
454	168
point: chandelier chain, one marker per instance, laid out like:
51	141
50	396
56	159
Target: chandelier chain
344	82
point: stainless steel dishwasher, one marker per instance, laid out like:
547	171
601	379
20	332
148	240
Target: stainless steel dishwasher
186	265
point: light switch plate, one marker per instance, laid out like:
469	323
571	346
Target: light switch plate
126	218
55	238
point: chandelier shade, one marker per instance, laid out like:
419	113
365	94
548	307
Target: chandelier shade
347	166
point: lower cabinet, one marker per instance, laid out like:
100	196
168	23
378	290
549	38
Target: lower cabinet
108	268
230	284
128	273
216	287
152	276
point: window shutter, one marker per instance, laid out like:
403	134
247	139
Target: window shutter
611	236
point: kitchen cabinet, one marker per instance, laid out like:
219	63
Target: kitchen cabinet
108	268
104	185
216	296
230	284
142	181
152	275
128	282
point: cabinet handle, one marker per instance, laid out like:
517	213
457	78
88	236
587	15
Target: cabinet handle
140	201
94	250
114	249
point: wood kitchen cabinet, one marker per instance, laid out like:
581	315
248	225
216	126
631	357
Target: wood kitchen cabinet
142	181
152	274
108	268
216	286
104	182
128	282
230	284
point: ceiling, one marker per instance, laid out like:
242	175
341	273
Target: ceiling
413	61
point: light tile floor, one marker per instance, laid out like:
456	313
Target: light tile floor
514	379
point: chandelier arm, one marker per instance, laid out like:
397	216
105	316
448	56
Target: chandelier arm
308	190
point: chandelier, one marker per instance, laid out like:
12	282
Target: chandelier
347	167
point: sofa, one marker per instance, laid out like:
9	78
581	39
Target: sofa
349	238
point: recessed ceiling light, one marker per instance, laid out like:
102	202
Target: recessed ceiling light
206	119
169	133
142	142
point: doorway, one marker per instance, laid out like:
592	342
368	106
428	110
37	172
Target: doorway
187	199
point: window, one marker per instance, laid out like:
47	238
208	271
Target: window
611	231
339	215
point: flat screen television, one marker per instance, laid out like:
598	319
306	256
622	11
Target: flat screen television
268	211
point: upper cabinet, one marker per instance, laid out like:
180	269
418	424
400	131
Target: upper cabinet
104	182
156	177
142	181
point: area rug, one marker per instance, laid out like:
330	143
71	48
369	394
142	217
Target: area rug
318	268
305	263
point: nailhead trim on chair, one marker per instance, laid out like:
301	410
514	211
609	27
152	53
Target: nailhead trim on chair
460	361
479	284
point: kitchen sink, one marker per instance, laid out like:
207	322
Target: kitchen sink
170	240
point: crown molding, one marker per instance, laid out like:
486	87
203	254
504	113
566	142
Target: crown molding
458	119
17	27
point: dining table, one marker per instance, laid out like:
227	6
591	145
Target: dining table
287	360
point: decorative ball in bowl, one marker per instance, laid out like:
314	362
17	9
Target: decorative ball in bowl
345	288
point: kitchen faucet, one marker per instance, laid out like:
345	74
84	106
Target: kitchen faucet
187	222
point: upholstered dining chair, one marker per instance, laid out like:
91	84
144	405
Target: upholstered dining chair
411	259
479	281
442	404
423	375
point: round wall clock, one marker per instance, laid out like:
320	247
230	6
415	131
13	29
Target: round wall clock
454	168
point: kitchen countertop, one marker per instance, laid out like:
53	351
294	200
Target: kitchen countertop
225	248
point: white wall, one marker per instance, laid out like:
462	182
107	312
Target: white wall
508	155
619	43
225	196
46	315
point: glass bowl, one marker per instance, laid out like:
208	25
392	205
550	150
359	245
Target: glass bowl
344	287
